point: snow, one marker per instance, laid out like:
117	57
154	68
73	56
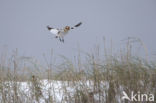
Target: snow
51	90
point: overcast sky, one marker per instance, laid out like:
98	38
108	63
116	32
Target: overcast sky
23	24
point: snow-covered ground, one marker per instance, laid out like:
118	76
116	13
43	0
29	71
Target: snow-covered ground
54	91
47	91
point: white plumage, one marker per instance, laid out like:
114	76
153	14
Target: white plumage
54	31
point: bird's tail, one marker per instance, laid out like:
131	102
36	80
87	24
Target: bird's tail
77	25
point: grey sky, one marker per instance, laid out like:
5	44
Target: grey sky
23	24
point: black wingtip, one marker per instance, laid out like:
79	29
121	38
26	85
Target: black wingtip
77	25
48	27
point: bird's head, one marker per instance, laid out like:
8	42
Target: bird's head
67	28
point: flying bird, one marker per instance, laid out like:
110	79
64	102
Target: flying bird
60	33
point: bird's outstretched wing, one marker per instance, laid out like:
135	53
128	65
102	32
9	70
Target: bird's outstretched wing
77	25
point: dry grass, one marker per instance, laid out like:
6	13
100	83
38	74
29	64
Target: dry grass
100	79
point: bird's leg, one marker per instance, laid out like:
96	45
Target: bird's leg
60	39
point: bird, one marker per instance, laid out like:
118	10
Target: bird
60	33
